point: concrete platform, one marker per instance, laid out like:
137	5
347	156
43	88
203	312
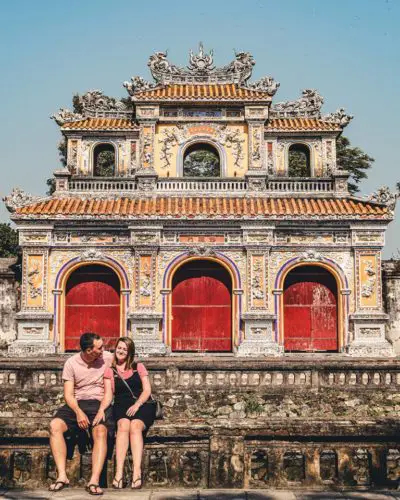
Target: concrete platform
147	494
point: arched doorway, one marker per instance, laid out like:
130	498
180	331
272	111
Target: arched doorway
310	307
92	304
201	160
201	307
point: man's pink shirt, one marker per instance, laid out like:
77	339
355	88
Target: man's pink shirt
88	379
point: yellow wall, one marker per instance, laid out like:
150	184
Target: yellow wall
202	131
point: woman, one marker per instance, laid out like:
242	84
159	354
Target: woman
134	414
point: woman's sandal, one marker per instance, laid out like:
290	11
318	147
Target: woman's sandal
134	481
118	484
92	489
53	487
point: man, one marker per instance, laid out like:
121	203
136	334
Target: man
83	393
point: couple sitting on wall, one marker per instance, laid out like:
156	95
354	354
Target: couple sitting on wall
92	378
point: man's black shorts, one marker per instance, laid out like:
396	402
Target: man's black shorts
88	406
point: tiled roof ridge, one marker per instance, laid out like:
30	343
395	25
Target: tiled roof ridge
206	205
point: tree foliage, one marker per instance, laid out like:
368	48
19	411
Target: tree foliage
8	241
201	163
354	160
299	165
105	164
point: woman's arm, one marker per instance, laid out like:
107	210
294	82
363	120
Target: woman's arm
105	402
146	393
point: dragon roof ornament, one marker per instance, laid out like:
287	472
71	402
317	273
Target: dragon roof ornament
386	197
201	69
18	198
308	105
339	116
90	104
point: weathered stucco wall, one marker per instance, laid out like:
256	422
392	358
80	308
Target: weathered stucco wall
228	423
8	303
391	298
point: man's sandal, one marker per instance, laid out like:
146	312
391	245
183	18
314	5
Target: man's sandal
134	481
118	484
92	489
54	486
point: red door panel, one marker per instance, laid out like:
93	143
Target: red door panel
92	304
310	314
201	308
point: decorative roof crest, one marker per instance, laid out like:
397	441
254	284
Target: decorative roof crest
18	198
201	62
309	105
201	69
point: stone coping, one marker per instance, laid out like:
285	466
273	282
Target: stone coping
291	429
213	363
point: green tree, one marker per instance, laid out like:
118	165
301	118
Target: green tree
201	163
354	160
105	164
298	163
8	241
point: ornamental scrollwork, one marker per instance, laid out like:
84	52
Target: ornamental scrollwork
340	117
311	256
33	275
368	287
308	105
201	252
266	84
201	62
18	198
91	254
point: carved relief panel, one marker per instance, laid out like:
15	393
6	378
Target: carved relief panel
368	280
257	295
147	135
256	146
34	289
145	280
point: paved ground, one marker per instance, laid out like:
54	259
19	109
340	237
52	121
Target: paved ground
126	494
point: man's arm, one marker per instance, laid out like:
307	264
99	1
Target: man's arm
69	396
105	403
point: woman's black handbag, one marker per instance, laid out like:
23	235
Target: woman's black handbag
157	402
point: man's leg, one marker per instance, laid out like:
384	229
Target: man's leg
59	449
99	452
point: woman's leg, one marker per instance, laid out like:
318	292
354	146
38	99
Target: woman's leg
136	438
121	446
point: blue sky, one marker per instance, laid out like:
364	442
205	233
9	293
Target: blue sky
51	49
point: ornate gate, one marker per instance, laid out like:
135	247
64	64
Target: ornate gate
201	308
310	310
92	304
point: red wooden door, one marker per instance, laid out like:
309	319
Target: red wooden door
310	317
92	304
201	309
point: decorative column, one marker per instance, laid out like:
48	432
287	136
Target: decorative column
369	321
146	174
145	320
257	173
258	321
33	321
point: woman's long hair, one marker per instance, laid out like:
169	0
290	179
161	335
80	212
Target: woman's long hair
130	358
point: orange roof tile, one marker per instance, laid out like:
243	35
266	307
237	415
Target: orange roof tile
202	92
203	206
300	124
100	124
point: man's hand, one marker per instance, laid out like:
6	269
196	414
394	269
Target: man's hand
100	416
82	419
132	410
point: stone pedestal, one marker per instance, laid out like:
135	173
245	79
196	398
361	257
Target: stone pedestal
369	336
146	334
146	179
256	180
258	336
32	335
